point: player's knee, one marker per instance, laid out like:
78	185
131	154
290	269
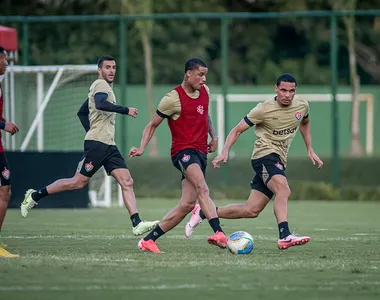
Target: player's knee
284	192
186	207
77	184
251	212
126	183
5	194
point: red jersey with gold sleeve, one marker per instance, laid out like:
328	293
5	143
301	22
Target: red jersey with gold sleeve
187	118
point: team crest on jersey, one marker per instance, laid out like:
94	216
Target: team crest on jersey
185	158
298	115
6	174
278	165
88	167
200	109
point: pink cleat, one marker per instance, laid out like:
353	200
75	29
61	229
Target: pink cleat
218	239
292	240
194	221
149	246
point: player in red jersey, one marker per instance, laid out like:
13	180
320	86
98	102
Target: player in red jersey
5	176
186	108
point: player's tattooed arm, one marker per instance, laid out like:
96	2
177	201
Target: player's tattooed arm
213	144
83	115
211	128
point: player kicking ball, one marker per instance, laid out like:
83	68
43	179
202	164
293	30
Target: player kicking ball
276	122
186	109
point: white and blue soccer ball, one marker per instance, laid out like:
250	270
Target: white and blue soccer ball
240	242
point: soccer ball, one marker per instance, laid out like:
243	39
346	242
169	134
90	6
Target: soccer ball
240	242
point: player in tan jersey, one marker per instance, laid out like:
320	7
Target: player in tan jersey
276	124
97	116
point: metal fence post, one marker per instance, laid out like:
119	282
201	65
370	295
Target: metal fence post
25	43
224	79
335	164
123	82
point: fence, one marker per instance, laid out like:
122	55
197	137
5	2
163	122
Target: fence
221	22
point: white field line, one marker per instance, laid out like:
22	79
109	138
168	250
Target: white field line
356	237
163	287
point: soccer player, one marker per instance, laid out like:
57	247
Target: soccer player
5	178
97	116
276	123
186	108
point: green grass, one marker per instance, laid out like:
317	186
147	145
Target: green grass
91	254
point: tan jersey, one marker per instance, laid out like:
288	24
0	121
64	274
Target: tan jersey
170	105
276	126
102	123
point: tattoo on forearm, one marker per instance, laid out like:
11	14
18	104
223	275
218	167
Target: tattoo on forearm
211	129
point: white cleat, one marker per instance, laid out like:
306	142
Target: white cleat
28	203
194	221
292	240
144	226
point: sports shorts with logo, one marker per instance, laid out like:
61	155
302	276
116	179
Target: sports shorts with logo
4	169
97	155
266	167
183	159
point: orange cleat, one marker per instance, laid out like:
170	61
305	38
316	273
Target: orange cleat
149	246
218	239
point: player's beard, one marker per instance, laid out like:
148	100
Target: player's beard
105	77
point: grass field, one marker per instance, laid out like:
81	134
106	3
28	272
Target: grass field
91	254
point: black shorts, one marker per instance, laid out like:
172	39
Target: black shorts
4	169
97	155
265	167
183	159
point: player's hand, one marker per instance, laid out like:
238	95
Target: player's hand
315	159
133	112
11	128
135	152
213	145
222	157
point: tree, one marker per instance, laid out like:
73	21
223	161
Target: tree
145	28
368	54
349	24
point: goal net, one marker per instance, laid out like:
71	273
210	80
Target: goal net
47	99
320	103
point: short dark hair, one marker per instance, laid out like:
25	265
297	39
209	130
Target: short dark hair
103	58
2	51
194	63
286	78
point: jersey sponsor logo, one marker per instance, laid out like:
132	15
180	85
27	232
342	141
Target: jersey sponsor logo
298	115
6	174
185	158
284	131
200	109
279	166
88	167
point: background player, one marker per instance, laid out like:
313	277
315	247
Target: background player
98	115
5	177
